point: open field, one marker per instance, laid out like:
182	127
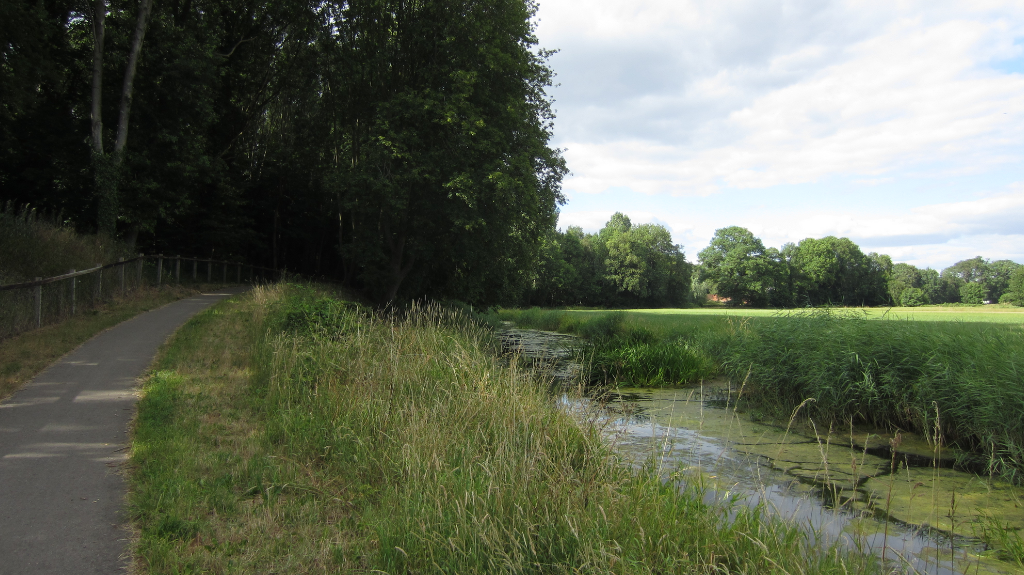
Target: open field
288	431
981	313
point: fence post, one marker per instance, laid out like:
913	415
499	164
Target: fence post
39	303
209	271
177	269
74	281
159	268
120	272
195	264
99	284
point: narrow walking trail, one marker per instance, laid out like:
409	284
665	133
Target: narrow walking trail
62	442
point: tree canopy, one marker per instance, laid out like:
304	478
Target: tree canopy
400	145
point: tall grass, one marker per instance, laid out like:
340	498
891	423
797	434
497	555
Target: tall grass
631	350
34	246
290	432
894	374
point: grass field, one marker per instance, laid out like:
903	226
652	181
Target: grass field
287	431
981	313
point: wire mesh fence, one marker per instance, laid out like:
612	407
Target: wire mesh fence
45	301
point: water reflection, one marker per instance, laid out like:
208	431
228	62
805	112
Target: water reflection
846	485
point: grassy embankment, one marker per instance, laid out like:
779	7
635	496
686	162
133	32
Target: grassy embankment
286	431
894	374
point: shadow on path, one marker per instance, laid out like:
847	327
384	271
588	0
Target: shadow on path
62	440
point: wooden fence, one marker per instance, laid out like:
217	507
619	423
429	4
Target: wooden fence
43	301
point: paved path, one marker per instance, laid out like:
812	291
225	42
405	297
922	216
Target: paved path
62	441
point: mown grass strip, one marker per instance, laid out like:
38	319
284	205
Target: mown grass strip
26	354
286	431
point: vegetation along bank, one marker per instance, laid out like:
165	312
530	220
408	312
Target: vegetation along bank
958	383
290	431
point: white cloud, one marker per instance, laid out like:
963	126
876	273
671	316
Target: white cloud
696	97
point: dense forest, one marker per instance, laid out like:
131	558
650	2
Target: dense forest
398	146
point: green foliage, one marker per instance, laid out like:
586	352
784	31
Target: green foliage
622	265
834	271
735	262
402	148
973	293
1015	286
663	364
913	297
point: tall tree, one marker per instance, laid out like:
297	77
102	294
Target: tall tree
108	166
735	261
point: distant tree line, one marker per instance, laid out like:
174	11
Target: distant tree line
626	265
400	146
623	265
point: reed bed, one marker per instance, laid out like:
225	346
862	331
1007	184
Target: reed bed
288	432
957	383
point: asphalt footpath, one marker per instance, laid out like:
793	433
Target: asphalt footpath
63	440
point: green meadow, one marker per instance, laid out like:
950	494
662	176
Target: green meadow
962	313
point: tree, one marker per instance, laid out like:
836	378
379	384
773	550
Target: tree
107	168
452	185
938	289
834	270
998	279
973	293
735	261
913	297
903	277
1015	287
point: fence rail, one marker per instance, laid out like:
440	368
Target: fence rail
43	301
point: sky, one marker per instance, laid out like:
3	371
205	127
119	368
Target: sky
898	123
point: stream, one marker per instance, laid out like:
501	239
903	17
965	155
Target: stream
892	494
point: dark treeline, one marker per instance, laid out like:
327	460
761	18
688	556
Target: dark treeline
398	145
625	265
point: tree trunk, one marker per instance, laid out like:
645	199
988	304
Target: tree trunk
397	268
107	168
99	18
141	23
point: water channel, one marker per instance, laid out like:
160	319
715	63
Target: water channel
849	485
